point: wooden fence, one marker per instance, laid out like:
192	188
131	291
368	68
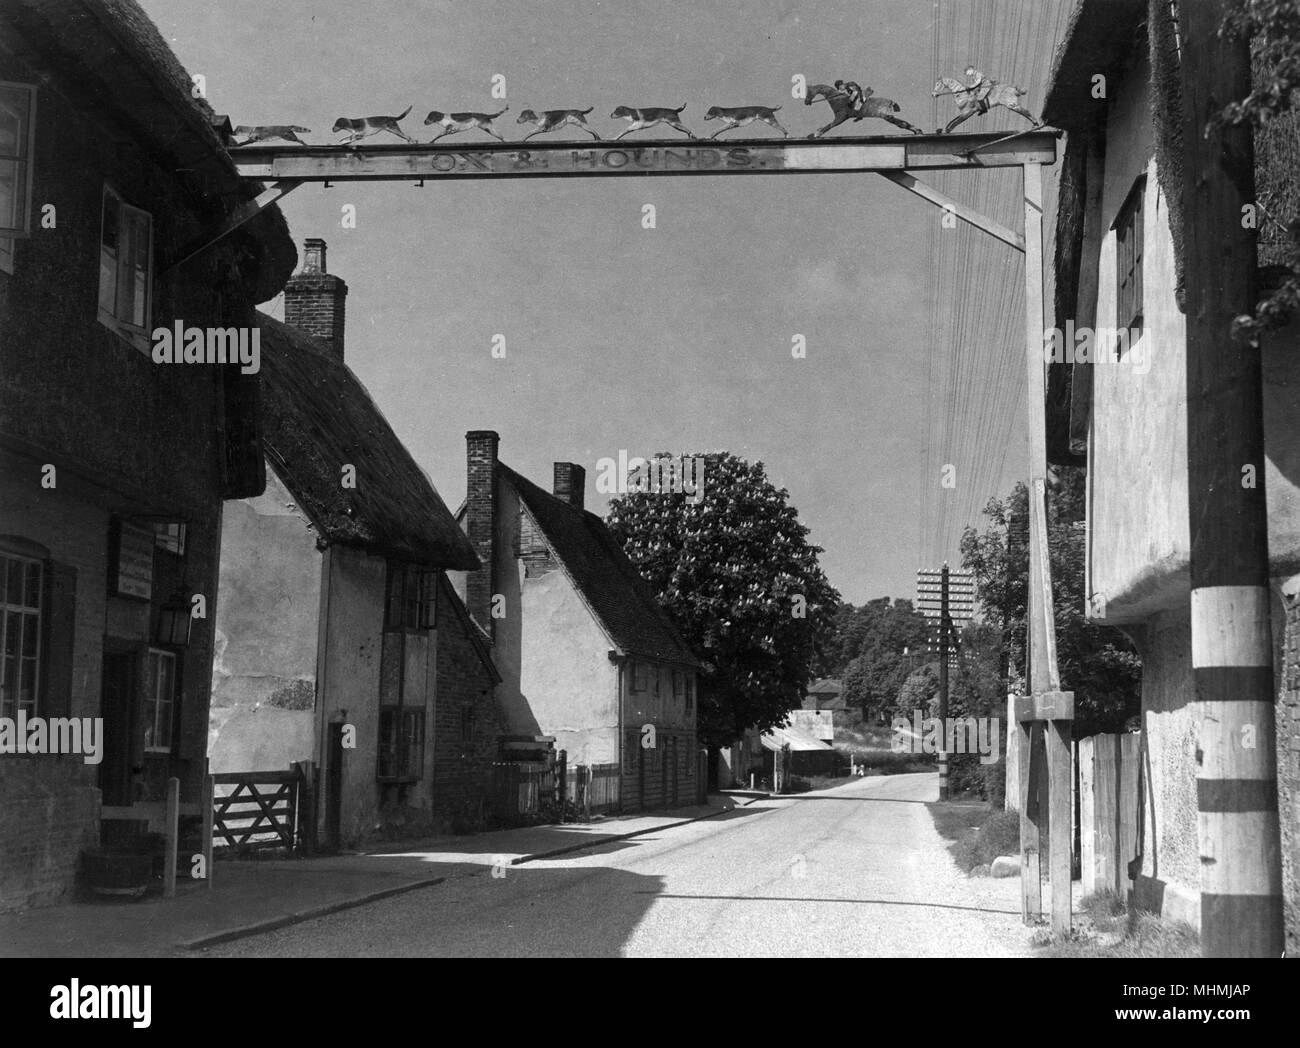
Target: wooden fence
1110	803
518	789
257	809
594	787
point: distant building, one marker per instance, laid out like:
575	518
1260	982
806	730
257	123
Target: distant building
825	693
587	655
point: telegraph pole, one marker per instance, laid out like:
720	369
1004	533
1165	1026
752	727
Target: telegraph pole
943	683
1232	651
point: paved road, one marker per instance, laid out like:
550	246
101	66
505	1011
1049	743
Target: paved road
855	871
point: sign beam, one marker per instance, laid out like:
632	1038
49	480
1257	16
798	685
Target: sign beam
642	158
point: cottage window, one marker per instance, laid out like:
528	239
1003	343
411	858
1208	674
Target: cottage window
125	268
468	721
1128	264
412	602
170	537
679	687
17	137
690	692
159	701
401	743
640	675
21	581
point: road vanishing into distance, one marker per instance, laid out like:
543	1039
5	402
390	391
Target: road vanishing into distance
856	871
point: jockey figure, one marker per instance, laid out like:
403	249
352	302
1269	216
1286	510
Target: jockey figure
979	87
856	95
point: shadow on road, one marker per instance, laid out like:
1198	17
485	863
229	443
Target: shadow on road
855	902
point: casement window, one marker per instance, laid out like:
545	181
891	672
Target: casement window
125	269
170	537
640	675
679	687
468	722
17	138
21	587
401	744
159	700
1128	262
690	692
412	602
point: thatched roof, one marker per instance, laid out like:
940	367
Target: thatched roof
619	598
1099	39
114	58
317	419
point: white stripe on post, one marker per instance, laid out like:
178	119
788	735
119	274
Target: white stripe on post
1230	627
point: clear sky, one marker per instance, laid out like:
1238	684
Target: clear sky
675	339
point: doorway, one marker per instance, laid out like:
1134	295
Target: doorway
119	685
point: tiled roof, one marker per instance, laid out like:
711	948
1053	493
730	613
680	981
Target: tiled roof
606	579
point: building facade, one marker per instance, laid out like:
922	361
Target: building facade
1118	273
113	468
588	657
339	640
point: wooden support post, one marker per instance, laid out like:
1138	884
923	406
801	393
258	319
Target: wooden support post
1031	882
207	802
968	215
943	682
1232	649
171	832
1059	773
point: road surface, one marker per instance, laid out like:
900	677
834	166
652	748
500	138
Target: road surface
850	872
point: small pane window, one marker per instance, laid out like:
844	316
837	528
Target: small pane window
412	597
160	701
1128	265
170	537
20	634
17	126
401	744
125	265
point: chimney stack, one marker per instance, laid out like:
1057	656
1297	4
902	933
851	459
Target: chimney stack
570	483
315	300
480	522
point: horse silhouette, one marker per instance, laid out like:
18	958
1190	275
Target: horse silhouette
842	107
970	103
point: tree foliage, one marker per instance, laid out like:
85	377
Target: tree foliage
1273	28
873	642
738	577
1097	663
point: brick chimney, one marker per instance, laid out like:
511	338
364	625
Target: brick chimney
570	483
480	522
315	300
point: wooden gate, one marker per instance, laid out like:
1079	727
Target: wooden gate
256	809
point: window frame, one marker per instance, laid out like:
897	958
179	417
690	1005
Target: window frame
26	160
151	702
409	759
136	334
11	707
1130	255
410	592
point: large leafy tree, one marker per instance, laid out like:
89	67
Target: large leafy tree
737	575
1097	663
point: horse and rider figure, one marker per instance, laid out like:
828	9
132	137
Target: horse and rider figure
978	95
850	101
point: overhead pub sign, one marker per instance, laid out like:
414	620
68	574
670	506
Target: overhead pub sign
131	573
